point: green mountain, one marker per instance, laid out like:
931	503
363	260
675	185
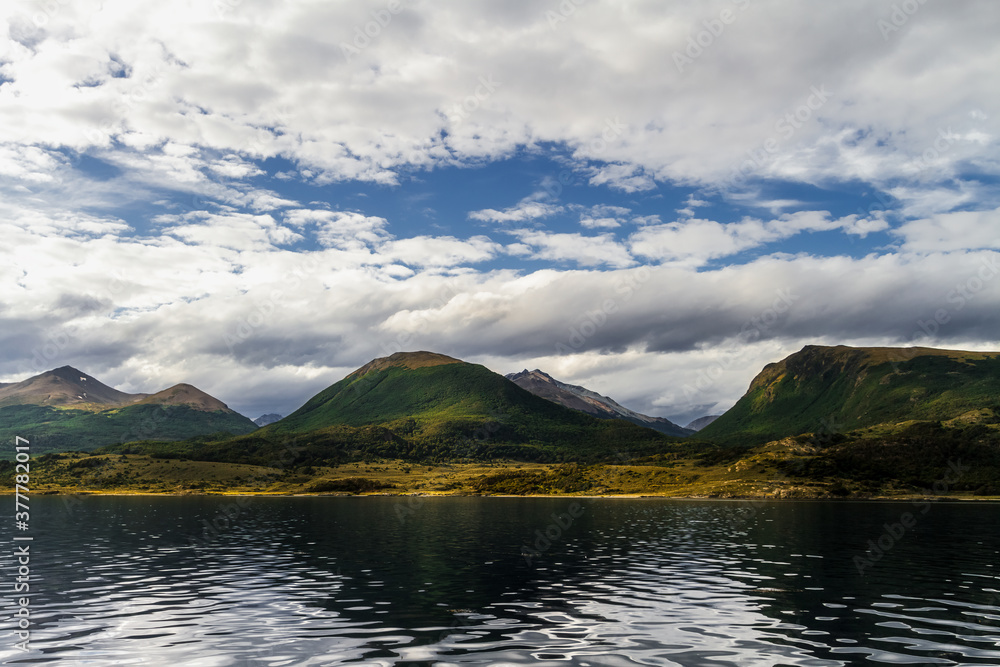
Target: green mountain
426	406
841	389
65	409
446	407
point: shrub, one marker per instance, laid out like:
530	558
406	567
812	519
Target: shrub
348	485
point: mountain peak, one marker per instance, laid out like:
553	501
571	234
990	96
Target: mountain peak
65	386
186	394
62	370
580	398
267	419
536	374
408	360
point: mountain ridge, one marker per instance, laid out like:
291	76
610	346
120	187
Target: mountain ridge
65	409
65	386
425	406
844	388
590	402
827	422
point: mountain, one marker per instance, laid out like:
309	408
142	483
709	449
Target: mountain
265	420
427	406
437	403
825	422
839	389
585	400
65	386
701	422
66	409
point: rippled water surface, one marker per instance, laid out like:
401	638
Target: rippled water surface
500	581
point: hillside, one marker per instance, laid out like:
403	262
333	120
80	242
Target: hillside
590	402
65	387
841	389
185	394
425	406
66	409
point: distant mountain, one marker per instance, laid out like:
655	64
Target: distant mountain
66	409
585	400
427	406
701	422
269	418
840	389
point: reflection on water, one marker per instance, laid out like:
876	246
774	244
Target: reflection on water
494	581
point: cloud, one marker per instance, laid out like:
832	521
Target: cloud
624	177
601	250
345	230
696	241
236	231
966	230
186	74
690	204
111	106
525	210
147	311
444	251
602	216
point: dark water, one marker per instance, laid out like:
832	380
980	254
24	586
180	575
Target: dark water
371	581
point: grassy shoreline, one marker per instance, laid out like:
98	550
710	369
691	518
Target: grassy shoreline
627	496
757	478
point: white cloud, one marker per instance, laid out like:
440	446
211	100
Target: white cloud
442	251
967	230
527	209
690	204
192	79
696	241
236	231
599	223
345	230
624	177
602	216
28	163
601	250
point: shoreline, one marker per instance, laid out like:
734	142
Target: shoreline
627	496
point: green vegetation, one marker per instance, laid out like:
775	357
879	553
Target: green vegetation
825	422
60	429
348	485
447	411
839	389
916	455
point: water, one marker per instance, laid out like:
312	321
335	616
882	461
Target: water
469	581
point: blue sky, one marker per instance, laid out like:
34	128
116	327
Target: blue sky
449	201
250	197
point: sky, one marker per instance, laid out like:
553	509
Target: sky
653	200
